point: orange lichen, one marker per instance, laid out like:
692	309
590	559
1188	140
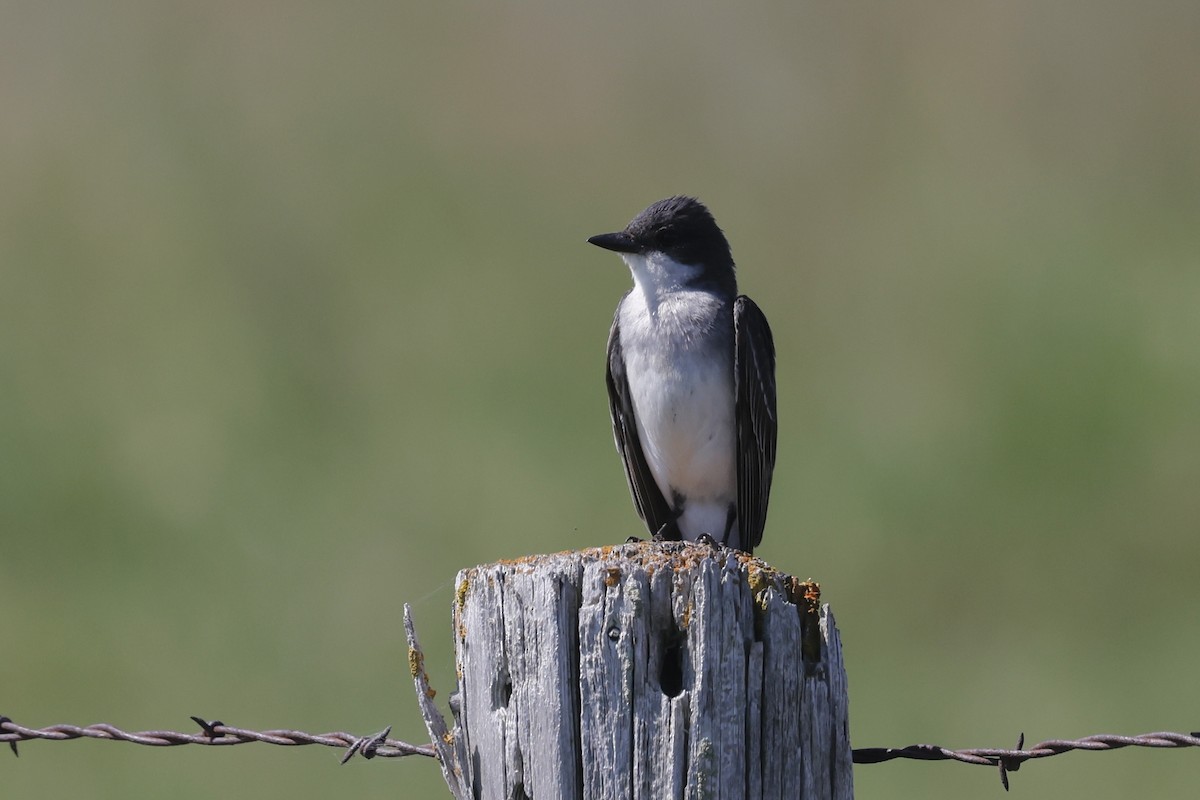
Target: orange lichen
809	593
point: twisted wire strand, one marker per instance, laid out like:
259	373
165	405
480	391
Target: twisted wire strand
218	734
1011	760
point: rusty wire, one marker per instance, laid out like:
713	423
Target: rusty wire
217	733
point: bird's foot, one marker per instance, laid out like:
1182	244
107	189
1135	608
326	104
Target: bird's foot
707	538
634	540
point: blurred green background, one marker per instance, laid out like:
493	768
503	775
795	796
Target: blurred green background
297	319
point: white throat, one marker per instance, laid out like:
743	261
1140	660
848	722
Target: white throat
656	274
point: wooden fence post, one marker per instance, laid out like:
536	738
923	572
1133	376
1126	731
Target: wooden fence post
652	670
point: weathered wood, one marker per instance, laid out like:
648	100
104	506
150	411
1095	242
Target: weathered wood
652	670
449	748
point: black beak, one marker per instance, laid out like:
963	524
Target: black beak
617	242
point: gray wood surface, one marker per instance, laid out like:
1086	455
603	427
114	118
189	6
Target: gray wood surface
648	670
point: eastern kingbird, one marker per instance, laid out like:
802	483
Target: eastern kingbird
691	380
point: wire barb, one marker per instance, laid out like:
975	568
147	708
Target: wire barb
210	728
12	742
367	746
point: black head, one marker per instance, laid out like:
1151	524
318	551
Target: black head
681	227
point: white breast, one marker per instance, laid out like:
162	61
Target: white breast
682	390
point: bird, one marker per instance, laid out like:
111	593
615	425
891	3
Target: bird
691	380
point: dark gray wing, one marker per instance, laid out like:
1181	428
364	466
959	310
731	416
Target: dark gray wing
652	507
757	425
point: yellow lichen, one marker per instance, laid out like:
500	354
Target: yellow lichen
416	662
758	580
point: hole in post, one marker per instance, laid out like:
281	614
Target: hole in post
670	669
502	690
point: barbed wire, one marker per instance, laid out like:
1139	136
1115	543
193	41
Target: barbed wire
1011	760
217	733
